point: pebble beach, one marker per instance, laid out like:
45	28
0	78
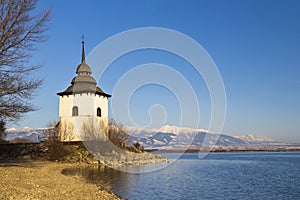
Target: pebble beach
44	180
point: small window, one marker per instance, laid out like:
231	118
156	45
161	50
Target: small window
98	112
75	111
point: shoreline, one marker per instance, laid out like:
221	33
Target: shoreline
35	179
231	151
24	175
175	151
30	179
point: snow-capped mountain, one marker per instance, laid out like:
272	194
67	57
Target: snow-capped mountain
179	130
165	129
254	139
166	137
178	137
34	135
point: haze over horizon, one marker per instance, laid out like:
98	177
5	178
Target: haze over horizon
255	45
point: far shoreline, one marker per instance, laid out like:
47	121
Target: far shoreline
164	151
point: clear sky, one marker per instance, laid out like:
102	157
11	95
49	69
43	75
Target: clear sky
254	43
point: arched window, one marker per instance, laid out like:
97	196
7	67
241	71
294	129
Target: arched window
98	112
75	111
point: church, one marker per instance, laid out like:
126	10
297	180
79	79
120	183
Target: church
82	102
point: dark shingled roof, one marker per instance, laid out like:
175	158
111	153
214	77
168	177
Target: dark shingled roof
83	79
83	88
83	82
83	67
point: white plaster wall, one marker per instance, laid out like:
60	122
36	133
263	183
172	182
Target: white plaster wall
65	103
87	110
87	105
102	102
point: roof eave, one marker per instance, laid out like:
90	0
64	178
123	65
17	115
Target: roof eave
82	92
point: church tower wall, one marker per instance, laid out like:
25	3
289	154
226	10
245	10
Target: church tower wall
81	103
87	105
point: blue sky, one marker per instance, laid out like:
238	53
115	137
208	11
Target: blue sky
254	43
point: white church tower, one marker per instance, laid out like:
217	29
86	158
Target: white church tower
81	103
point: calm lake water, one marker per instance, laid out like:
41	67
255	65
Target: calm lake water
217	176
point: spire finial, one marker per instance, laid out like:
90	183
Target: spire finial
83	54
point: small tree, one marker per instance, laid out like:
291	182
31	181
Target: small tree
66	131
93	130
116	133
56	149
137	145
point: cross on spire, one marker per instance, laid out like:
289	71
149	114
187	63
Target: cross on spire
83	54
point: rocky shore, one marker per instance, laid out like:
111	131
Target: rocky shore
43	180
115	159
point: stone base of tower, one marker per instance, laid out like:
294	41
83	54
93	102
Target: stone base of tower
81	128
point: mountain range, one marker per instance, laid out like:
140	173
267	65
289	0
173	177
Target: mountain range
173	137
27	133
166	137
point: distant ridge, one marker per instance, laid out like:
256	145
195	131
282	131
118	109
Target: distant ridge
32	134
166	137
173	137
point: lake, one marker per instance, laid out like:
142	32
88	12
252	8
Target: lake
262	175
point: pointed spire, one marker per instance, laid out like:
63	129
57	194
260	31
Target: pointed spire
83	54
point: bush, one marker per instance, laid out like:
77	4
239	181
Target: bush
137	145
57	151
116	134
20	140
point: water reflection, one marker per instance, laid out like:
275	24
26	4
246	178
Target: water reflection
119	181
104	177
230	175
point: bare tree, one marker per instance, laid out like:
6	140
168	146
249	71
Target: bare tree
51	133
20	32
66	131
117	134
57	134
92	130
